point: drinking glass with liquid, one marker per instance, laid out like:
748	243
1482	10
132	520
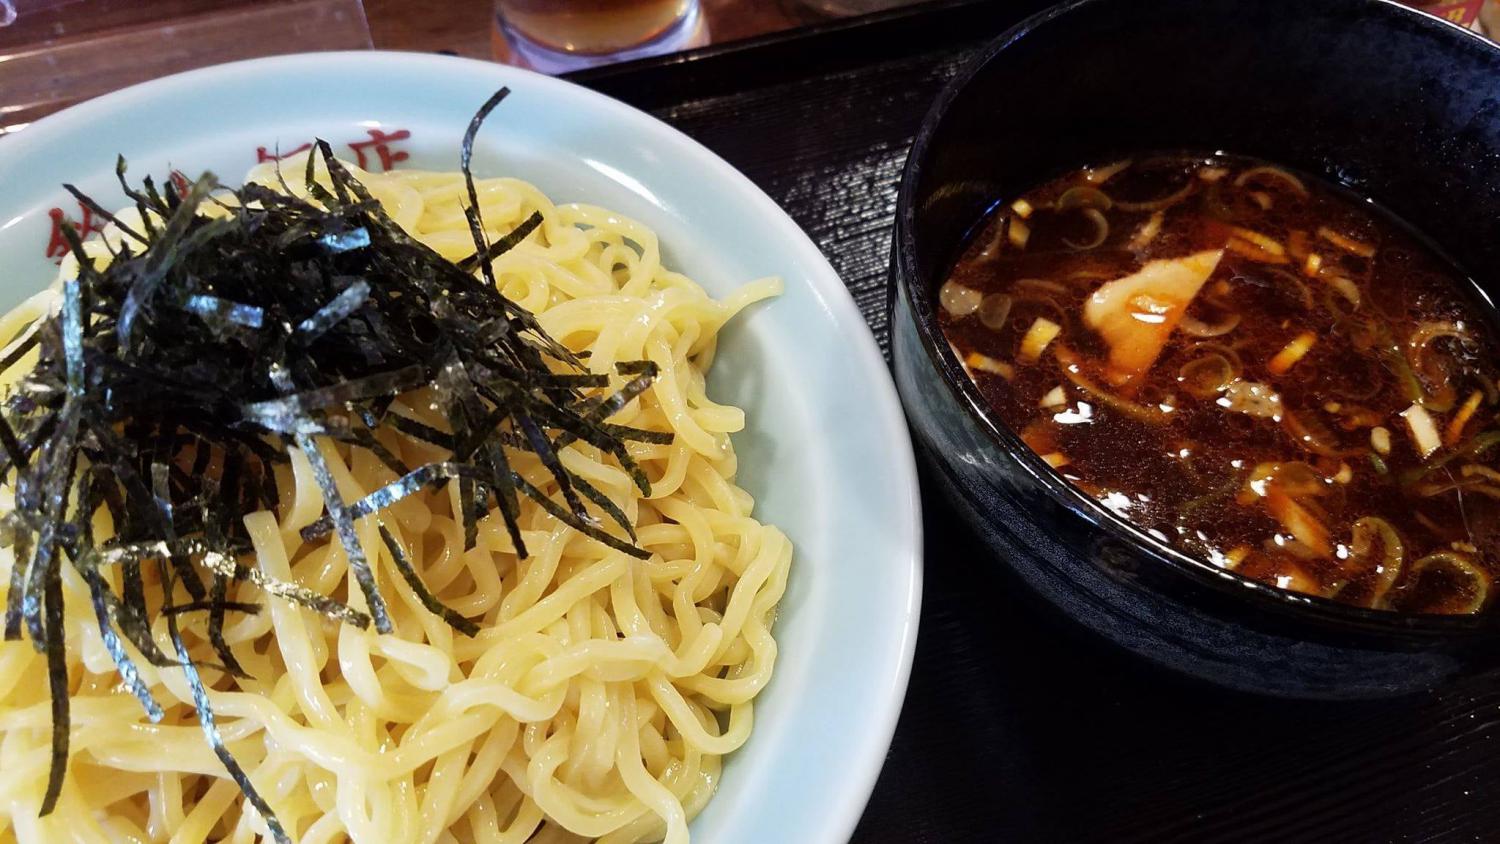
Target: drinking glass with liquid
560	35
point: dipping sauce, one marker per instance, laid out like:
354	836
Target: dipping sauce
1253	366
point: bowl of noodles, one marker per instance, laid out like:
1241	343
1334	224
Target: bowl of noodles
404	448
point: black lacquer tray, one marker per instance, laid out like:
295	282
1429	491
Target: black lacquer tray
1016	728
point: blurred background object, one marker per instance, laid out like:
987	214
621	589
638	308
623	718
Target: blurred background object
471	28
58	52
555	36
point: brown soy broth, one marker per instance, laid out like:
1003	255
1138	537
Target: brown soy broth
1188	473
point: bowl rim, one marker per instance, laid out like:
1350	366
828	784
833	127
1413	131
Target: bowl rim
1272	601
849	786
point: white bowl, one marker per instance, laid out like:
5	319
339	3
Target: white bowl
826	453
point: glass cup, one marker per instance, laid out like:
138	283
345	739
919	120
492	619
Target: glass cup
555	36
847	8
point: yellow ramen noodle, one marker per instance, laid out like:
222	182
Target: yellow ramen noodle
600	696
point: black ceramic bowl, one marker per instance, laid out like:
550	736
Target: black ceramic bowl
1400	106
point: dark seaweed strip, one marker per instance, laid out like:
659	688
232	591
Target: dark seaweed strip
615	403
162	498
454	380
430	601
163	384
266	491
599	498
487	431
222	312
108	489
233	502
350	300
214	604
17	587
129	673
465	158
492	332
344	181
340	185
378	410
32	440
217	604
23	343
133	591
335	242
642	435
98	492
143	202
203	454
161	261
550	461
567	518
594	437
606	504
54	483
309	177
13	451
344	526
367	441
561	382
185	571
129	610
46	623
72	335
420	430
471	503
286	414
280	177
164	511
482	493
392	492
172	196
151	198
637	367
221	563
130	617
216	741
463	404
163	203
57	683
120	451
601	409
510	508
503	245
370	417
88	202
217	607
216	529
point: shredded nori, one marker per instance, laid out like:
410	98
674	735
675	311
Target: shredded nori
234	327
